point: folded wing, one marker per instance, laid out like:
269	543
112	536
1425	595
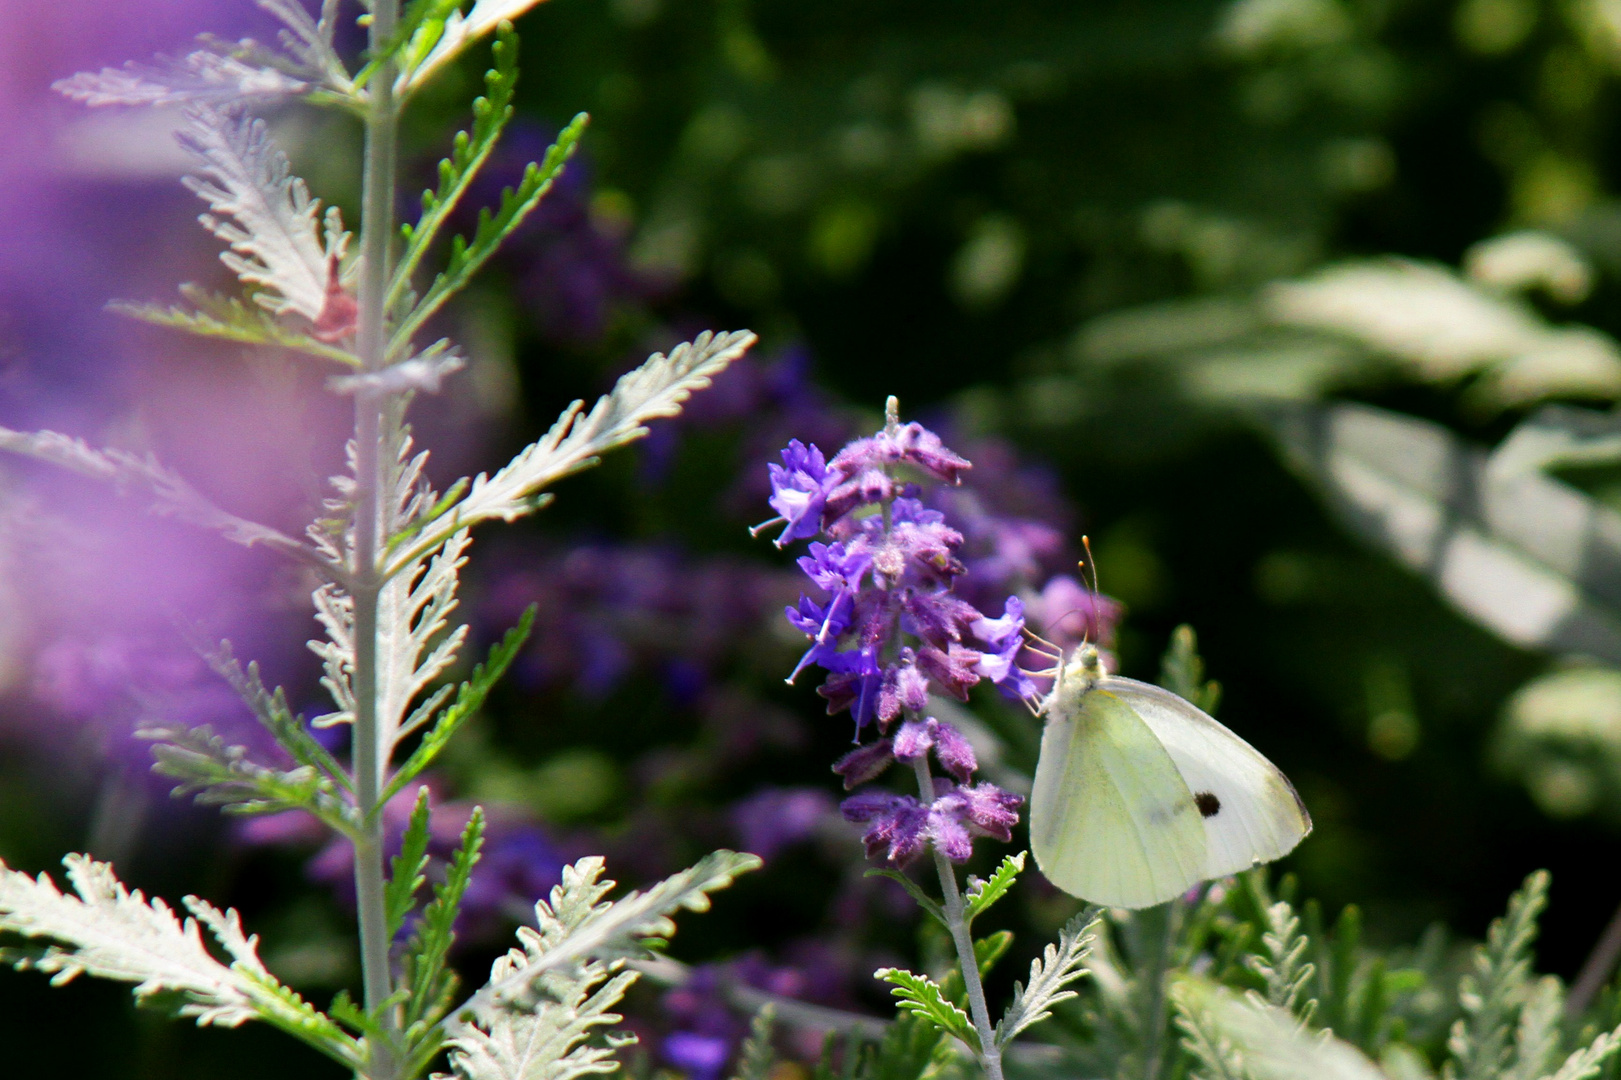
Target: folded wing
1251	811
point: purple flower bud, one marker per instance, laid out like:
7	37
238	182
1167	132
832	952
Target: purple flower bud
799	491
910	444
903	687
953	670
865	763
897	825
984	809
955	754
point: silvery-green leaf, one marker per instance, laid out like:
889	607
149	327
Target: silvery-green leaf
203	76
276	236
1260	1041
1534	560
656	389
108	931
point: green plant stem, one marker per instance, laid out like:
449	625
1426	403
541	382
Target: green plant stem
382	127
989	1054
1158	1011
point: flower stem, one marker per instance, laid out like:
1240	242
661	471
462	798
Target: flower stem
370	764
989	1054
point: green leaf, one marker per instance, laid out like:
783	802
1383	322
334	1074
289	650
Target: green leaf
405	872
421	25
1050	974
469	698
1529	557
222	775
467	256
271	710
1496	987
230	319
988	950
1181	671
921	996
924	900
430	983
982	894
1283	964
909	1049
1238	1038
469	151
756	1057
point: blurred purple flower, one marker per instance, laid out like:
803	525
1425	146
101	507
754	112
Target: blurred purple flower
776	818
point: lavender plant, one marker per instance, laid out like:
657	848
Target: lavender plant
891	633
387	550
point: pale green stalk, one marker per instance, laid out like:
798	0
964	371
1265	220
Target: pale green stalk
382	128
990	1054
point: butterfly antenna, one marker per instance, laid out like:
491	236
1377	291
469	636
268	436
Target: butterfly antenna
1089	574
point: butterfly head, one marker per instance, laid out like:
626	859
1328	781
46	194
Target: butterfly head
1082	672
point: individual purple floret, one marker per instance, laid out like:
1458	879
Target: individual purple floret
889	630
799	491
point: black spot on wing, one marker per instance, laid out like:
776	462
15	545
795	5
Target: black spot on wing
1209	806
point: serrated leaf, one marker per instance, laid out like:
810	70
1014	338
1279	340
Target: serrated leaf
111	932
426	975
982	894
922	997
467	256
1282	963
203	76
469	699
1058	965
263	212
218	774
656	389
470	150
170	493
271	710
1492	993
1238	1038
988	950
924	900
1587	1061
458	33
1181	671
756	1057
579	922
229	319
405	872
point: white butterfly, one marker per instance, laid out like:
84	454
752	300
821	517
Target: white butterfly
1140	795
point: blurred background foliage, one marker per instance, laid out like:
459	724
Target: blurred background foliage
1302	309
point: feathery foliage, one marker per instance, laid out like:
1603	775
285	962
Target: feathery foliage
111	932
229	319
982	893
1494	991
222	775
467	256
923	997
1059	965
263	212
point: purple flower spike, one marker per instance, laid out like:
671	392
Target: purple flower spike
865	763
897	825
951	750
799	491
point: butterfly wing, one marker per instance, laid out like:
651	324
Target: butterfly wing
1111	819
1251	811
